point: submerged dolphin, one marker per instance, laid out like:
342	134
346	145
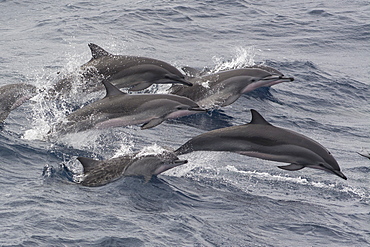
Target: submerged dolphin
133	72
262	140
98	173
122	109
225	87
14	95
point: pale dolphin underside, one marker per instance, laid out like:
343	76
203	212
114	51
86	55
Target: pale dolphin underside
98	173
14	95
262	140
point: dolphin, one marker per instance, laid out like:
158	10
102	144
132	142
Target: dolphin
225	87
261	139
98	173
133	72
121	109
14	95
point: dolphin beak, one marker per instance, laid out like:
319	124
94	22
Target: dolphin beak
175	78
180	162
185	82
339	173
197	109
330	169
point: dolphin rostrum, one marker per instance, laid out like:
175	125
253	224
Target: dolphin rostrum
14	95
122	109
225	87
262	140
98	173
123	71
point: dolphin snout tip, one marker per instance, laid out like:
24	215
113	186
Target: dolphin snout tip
340	174
287	78
196	109
189	84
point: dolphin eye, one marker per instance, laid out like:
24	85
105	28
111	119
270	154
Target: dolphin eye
322	166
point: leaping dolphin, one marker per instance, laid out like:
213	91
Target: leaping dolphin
225	87
122	109
262	140
14	95
98	173
132	72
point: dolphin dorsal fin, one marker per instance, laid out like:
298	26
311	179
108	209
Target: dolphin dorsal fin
190	71
88	163
111	89
257	118
97	51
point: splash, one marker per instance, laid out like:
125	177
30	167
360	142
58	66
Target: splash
244	57
335	187
151	150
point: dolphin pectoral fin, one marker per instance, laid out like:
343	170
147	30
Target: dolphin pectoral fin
88	164
292	167
152	123
140	86
230	100
97	51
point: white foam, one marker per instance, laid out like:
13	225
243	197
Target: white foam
151	150
244	57
303	181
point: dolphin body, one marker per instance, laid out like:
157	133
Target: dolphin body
133	72
262	140
98	173
225	87
122	109
14	95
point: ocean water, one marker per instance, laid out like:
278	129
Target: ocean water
217	199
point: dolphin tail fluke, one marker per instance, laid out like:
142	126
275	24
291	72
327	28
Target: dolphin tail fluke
292	167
